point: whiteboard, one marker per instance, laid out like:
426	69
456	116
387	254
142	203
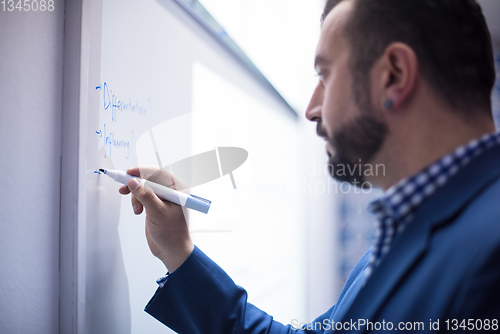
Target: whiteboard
157	88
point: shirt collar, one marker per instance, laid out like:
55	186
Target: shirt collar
401	200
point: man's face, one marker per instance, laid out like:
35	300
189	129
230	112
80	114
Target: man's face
347	122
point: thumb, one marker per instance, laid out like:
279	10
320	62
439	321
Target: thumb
144	194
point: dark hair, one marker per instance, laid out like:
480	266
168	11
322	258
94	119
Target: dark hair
450	38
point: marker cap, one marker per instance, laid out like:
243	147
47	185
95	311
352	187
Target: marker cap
197	203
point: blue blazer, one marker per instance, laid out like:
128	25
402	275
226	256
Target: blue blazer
445	267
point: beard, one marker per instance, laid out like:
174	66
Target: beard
355	145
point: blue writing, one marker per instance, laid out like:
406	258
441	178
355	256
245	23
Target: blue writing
111	142
112	101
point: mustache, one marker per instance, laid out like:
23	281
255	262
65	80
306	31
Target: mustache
321	131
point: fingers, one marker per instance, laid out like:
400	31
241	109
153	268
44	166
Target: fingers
152	172
124	190
160	176
144	197
136	205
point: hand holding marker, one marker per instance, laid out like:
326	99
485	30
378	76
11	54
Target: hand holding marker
199	169
165	193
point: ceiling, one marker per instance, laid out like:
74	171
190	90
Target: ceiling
491	10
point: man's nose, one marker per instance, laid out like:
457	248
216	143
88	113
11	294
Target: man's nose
313	111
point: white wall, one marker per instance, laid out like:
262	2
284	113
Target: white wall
280	37
31	55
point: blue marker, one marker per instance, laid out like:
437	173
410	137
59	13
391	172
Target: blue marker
165	193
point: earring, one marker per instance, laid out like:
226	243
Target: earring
388	104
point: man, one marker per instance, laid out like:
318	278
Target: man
405	84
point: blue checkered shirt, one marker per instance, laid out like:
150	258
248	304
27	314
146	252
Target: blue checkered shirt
161	281
395	210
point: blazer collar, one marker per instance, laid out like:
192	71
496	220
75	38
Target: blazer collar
444	204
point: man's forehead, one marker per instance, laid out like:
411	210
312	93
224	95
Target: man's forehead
331	29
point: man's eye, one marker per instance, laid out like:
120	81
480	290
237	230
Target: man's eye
321	77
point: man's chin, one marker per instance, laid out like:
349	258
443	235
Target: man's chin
342	170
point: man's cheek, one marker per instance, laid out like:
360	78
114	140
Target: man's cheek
329	116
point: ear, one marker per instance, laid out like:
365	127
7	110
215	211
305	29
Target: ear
399	74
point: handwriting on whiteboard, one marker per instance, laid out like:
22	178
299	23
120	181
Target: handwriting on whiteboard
114	103
112	142
117	112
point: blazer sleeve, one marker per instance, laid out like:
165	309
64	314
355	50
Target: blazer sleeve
199	297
